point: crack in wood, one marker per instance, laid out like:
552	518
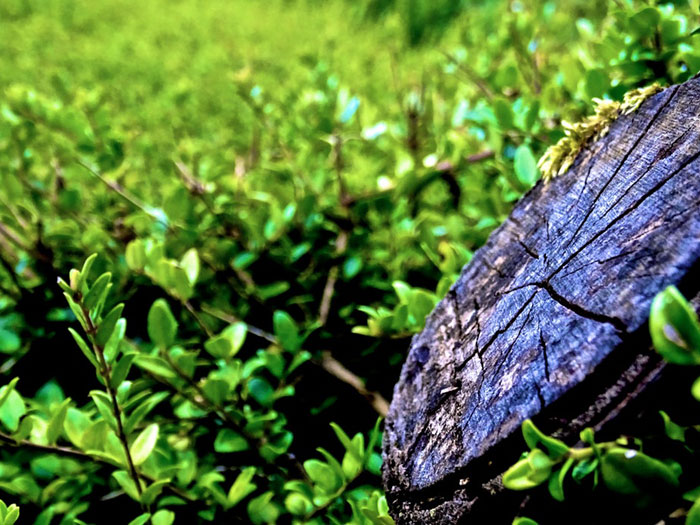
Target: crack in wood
532	253
504	358
543	346
597	261
501	331
540	397
622	163
457	312
628	211
580	310
658	157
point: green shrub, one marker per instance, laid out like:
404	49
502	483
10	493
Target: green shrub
279	193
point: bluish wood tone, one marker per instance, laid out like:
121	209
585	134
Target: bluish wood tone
550	316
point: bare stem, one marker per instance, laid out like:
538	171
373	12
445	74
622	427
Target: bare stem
228	318
198	319
341	244
334	367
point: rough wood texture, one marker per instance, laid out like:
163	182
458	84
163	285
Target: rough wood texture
555	303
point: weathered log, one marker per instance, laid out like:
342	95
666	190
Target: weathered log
549	319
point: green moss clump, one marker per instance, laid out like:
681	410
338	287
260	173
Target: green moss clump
559	157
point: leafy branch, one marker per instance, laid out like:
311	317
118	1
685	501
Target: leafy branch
83	300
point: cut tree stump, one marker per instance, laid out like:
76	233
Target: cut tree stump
549	319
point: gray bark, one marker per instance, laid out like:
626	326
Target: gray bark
549	319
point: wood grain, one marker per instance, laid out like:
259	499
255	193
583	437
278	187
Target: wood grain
550	315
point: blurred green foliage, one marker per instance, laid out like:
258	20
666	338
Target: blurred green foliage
279	193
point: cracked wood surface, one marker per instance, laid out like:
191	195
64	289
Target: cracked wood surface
555	303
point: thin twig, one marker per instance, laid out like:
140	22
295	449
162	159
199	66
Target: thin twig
341	244
228	318
117	188
482	155
194	185
15	239
107	377
338	370
188	306
80	455
473	76
13	277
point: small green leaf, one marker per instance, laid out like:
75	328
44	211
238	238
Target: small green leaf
75	424
298	504
526	166
286	331
596	83
261	391
9	341
228	440
163	517
104	331
584	468
342	436
674	328
149	495
96	294
644	22
111	348
524	521
140	520
556	480
84	348
236	333
587	436
504	113
673	430
162	326
126	483
695	389
529	472
104	407
219	347
155	365
241	487
534	437
12	515
144	444
81	278
7	389
403	291
628	471
323	476
216	390
190	263
12	410
692	494
65	286
77	312
352	266
142	410
121	370
262	509
135	255
693	517
45	517
55	426
181	283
